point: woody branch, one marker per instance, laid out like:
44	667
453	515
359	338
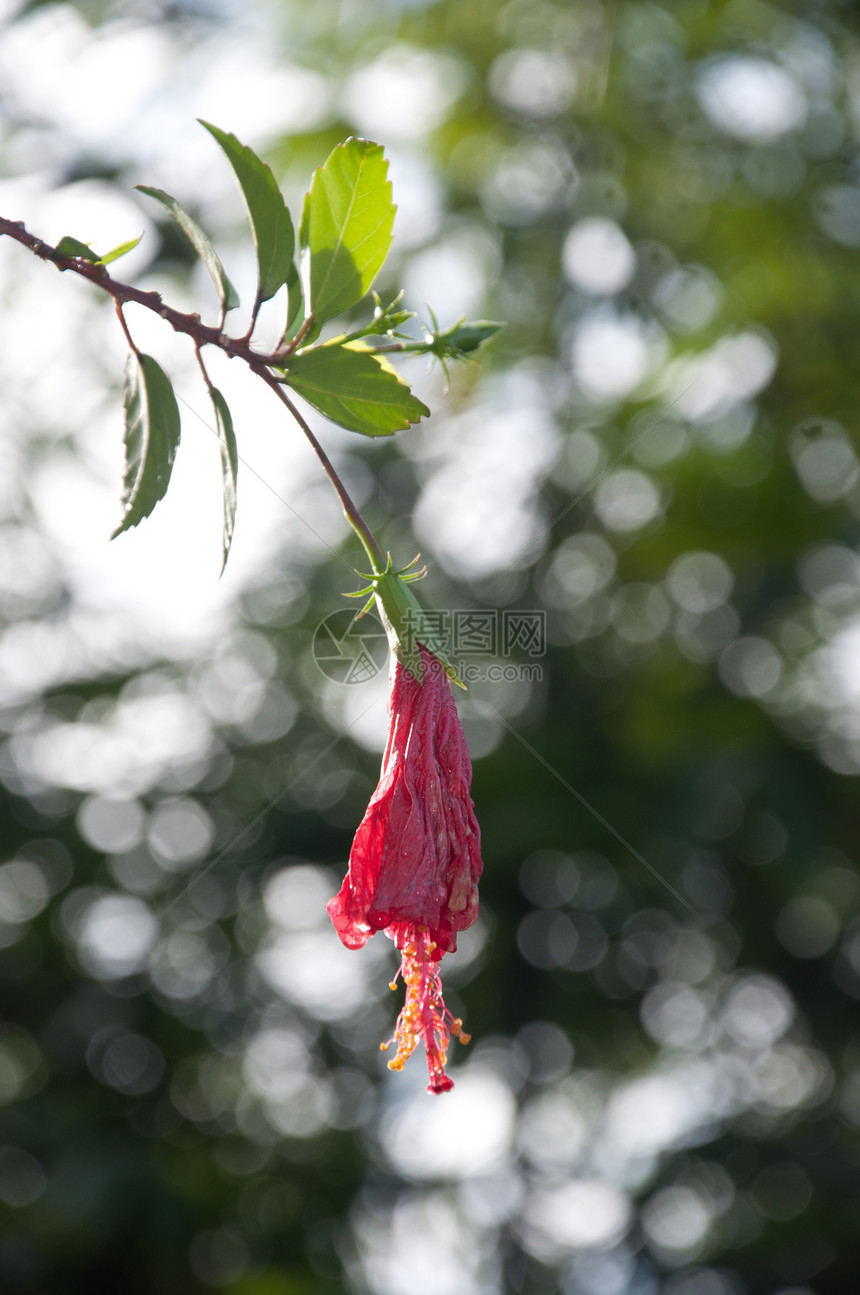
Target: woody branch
123	293
203	335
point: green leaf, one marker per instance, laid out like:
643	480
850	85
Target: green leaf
346	226
151	438
295	299
115	253
227	294
229	467
354	388
270	221
69	246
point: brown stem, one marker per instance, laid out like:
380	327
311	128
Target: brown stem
282	352
124	327
190	324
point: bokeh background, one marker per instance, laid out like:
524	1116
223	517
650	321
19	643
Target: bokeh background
662	1095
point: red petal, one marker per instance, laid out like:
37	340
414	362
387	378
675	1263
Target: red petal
416	856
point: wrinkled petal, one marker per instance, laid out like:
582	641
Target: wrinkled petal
416	858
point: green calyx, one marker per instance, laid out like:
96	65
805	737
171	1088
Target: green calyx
461	338
457	342
406	623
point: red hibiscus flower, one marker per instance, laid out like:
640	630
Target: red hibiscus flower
416	858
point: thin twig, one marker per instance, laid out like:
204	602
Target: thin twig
205	335
123	293
124	326
353	516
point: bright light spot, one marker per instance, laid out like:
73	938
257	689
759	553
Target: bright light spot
640	612
734	369
751	97
295	897
554	1129
232	684
278	1067
125	1061
830	573
655	1112
183	963
597	256
314	970
468	1134
662	443
33	656
824	460
493	1198
609	1272
425	1234
612	354
56	69
424	87
420	197
180	832
837	210
626	500
528	180
477	508
676	1219
276	1062
237	80
699	581
110	824
574	1216
361	711
114	935
842	660
583	565
545	1046
533	82
127	751
758	1010
688	297
453	275
750	666
28	574
24	891
676	1014
788	1077
550	939
582	458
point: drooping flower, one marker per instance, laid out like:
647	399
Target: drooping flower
416	857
